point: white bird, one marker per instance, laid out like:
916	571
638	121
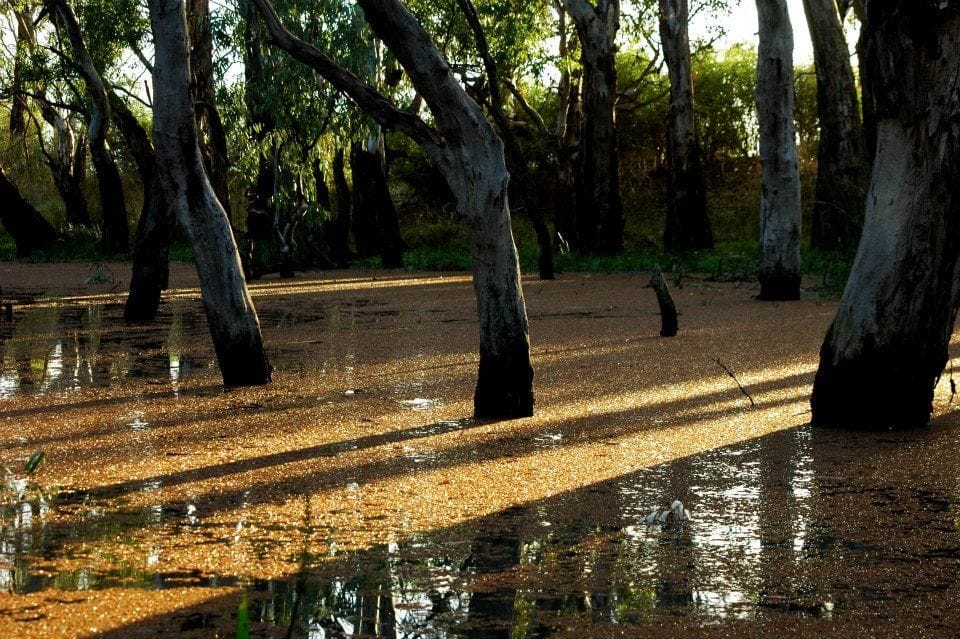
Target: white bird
677	514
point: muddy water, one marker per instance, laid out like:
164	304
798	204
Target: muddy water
355	497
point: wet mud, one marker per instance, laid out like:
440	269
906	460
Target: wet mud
355	496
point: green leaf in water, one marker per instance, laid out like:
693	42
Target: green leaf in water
243	619
34	462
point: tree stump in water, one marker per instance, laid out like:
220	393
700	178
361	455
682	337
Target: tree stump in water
668	310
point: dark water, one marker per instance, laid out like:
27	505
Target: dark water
774	534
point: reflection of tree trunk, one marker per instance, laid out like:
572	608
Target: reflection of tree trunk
340	237
887	346
31	232
495	550
841	167
376	228
688	226
599	211
230	312
779	270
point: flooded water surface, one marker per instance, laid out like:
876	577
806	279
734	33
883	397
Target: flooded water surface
356	497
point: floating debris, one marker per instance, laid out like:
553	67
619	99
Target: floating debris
677	514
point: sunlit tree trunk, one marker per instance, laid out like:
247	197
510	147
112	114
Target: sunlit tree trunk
470	156
25	40
598	218
61	163
233	320
842	171
115	226
688	226
779	270
888	343
31	232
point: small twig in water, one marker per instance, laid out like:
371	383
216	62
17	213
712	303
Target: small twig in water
743	390
953	385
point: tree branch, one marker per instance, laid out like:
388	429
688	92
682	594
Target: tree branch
363	95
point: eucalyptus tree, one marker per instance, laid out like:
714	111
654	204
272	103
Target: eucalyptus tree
598	218
31	232
780	213
842	167
688	226
115	231
182	179
24	12
888	343
63	163
470	155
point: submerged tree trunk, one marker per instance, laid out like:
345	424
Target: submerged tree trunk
115	227
779	270
598	218
180	176
62	167
688	227
842	170
470	156
887	346
340	240
31	232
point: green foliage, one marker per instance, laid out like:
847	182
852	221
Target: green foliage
32	464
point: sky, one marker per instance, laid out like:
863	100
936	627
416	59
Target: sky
741	26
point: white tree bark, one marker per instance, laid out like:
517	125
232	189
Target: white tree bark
233	320
779	270
470	156
887	346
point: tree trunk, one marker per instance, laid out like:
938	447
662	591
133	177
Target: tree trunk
887	346
115	237
376	228
688	227
340	240
780	198
517	163
62	168
155	229
470	156
31	232
842	171
213	142
598	217
24	44
181	177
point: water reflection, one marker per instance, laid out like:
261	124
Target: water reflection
771	537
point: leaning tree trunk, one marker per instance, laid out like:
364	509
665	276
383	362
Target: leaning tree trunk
180	175
25	40
62	167
212	139
688	227
842	170
887	346
779	270
470	156
598	218
155	229
31	232
115	226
